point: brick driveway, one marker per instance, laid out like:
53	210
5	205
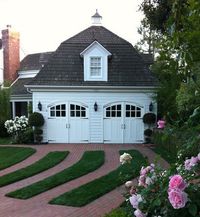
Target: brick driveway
38	206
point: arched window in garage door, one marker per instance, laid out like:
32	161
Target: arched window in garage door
58	110
77	111
133	111
114	111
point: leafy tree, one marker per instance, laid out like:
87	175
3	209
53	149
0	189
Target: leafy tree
4	109
178	63
147	43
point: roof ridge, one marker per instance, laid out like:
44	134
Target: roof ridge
70	40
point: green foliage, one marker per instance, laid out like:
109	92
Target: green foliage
164	69
194	118
36	119
147	43
149	118
3	131
167	140
148	132
25	137
38	131
157	13
4	110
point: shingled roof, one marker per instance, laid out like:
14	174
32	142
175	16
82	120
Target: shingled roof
18	88
126	66
34	61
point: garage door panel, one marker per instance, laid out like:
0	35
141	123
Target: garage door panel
57	131
112	130
79	130
68	123
133	130
123	123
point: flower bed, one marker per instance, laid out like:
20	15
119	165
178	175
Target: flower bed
167	193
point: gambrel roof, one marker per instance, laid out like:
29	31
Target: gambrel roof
126	66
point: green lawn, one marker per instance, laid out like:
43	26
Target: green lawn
90	161
48	161
5	141
92	190
12	155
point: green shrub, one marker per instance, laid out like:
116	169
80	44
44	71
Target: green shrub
38	138
194	118
166	140
3	131
148	132
36	120
38	131
28	136
149	118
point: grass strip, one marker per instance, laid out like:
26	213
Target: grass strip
48	161
92	190
90	161
12	155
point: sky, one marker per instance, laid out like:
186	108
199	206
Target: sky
44	24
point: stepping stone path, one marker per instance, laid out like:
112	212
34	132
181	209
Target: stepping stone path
38	206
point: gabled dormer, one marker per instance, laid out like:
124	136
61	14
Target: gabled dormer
95	60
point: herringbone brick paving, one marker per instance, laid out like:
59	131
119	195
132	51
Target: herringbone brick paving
38	206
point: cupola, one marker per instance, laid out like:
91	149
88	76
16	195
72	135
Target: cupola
96	19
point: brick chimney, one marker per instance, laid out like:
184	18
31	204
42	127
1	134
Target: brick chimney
11	56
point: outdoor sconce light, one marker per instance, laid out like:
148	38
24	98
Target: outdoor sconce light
39	106
95	107
151	107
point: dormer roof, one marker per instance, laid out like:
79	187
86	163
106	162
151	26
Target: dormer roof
125	67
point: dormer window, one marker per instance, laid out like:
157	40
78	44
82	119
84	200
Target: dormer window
95	67
95	60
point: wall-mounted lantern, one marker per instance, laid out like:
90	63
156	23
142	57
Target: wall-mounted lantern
151	107
95	107
39	106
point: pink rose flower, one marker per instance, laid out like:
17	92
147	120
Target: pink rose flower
194	161
177	181
141	181
138	213
177	198
143	171
187	165
198	156
135	199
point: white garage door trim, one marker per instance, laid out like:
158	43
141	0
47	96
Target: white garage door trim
68	122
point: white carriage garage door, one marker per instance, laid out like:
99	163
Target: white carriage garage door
68	123
123	123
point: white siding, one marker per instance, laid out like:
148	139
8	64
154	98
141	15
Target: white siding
89	98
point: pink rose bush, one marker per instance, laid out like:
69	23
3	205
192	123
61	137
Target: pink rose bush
166	193
177	198
192	162
177	181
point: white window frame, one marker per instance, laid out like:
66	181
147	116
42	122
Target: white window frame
97	67
95	50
